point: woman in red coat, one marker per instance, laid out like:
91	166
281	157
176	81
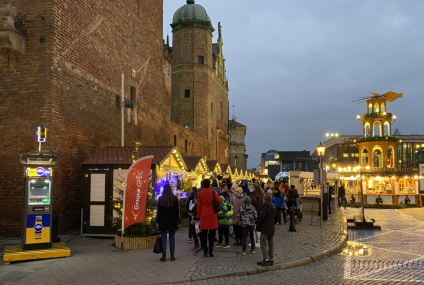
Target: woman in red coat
207	216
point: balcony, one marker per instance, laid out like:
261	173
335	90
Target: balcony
378	139
377	115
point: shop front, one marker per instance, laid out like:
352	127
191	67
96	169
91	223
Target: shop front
384	188
104	177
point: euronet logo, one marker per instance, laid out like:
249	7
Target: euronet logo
136	207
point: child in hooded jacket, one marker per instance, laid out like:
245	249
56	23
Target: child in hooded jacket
248	216
278	199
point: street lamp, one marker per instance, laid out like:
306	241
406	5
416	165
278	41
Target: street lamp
321	152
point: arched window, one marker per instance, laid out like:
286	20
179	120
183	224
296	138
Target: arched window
377	129
376	109
370	109
387	129
390	158
382	108
364	157
377	158
367	130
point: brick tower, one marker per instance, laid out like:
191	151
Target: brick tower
199	85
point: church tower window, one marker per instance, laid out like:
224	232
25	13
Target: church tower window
200	60
187	93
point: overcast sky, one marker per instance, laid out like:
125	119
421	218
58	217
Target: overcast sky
295	66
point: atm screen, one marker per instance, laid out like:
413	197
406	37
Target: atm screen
41	192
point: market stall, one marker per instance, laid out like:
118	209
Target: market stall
197	169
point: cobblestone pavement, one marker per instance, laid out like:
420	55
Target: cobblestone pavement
96	261
288	246
397	256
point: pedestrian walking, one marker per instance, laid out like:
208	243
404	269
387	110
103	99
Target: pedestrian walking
257	196
248	216
189	204
167	220
278	199
192	212
207	216
342	196
237	202
225	221
269	192
266	225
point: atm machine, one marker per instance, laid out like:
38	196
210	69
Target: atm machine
37	204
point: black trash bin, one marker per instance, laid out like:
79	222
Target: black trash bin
55	226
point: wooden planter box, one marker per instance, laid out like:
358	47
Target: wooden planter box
136	242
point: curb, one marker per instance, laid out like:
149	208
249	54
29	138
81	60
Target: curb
334	249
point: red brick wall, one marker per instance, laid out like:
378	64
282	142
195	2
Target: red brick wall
71	84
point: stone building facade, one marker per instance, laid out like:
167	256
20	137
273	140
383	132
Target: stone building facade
69	80
238	156
199	85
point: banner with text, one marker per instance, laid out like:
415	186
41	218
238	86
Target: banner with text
135	195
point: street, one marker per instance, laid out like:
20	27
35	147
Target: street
396	258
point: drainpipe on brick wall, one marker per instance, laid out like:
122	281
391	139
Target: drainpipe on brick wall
122	111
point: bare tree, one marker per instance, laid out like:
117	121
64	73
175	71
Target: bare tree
396	132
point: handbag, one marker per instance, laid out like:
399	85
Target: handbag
158	245
217	207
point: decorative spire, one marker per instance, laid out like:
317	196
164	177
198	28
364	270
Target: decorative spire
167	40
190	1
219	30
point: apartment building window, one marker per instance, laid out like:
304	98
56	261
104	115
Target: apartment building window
187	126
187	93
221	110
133	93
200	60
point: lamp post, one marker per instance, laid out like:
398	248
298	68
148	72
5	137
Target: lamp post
321	151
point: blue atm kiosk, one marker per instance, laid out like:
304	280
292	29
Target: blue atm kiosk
37	204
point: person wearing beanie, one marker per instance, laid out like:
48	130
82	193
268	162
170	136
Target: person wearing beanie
237	202
248	217
269	192
225	222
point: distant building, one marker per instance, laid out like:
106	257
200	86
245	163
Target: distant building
237	147
273	162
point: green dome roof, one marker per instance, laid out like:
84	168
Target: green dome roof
191	11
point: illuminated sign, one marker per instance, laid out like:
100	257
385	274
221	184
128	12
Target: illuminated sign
39	172
41	134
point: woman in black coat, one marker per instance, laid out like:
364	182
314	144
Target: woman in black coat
167	220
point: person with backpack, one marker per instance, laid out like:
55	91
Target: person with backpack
278	199
188	204
266	225
207	216
225	221
248	216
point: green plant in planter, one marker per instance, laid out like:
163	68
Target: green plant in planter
144	229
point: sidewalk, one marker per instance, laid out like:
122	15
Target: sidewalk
96	261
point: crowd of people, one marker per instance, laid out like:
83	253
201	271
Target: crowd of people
220	210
